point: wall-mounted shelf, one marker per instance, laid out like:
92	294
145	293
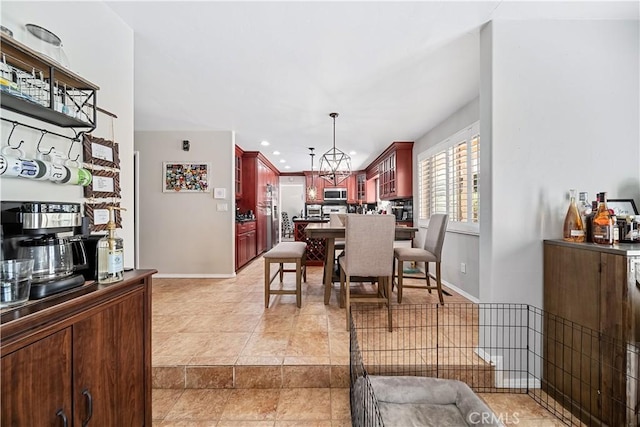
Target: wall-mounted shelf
36	86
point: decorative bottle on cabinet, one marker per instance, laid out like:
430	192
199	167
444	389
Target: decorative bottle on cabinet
573	229
602	226
110	253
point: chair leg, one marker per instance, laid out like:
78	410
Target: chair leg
426	275
299	282
400	274
341	296
267	275
439	283
281	272
304	266
347	300
387	281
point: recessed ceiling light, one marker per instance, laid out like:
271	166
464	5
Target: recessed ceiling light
264	143
352	153
283	161
276	153
287	167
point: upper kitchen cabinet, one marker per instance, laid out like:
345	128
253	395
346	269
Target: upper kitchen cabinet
238	172
352	189
395	171
36	86
361	187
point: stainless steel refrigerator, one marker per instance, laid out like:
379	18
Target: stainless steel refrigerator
273	217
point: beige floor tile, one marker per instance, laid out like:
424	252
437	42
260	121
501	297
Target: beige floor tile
340	406
305	423
311	323
304	404
317	376
258	376
252	405
199	405
162	400
222	344
266	344
304	343
245	423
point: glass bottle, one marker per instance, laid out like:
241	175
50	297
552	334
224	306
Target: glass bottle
110	253
602	227
573	229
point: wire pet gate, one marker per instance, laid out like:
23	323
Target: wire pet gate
579	375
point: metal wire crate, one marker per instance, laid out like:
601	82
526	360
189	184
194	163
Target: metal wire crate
581	376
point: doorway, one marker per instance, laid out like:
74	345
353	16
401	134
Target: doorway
291	203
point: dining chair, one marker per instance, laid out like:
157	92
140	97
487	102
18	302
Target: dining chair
337	220
430	252
287	229
368	253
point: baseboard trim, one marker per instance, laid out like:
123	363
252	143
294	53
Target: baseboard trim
193	276
499	380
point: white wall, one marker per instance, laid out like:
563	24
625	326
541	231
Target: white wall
184	234
292	192
560	110
458	248
100	49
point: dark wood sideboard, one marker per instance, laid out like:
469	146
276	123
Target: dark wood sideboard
83	356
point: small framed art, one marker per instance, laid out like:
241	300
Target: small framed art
99	151
98	214
186	177
103	184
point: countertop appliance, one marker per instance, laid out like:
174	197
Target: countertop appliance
314	211
329	209
335	194
49	233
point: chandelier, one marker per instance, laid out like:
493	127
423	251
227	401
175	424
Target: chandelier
335	165
312	191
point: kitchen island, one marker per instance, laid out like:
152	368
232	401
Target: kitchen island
80	356
315	247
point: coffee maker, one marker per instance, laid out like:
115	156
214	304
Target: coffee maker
50	234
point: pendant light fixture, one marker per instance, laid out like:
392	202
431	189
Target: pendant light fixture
312	191
335	165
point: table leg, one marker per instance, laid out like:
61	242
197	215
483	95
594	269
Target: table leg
329	256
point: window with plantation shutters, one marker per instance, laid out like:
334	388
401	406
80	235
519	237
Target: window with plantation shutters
448	179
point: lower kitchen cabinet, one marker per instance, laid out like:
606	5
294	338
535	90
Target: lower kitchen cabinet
83	356
246	243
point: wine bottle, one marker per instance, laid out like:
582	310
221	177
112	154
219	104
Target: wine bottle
573	229
602	227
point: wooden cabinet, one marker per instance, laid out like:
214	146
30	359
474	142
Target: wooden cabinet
83	355
257	174
352	190
245	243
591	286
361	187
36	382
395	172
238	173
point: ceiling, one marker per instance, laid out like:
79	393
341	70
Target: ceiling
273	71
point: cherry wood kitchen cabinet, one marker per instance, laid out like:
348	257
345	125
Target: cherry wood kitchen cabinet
83	355
245	242
352	190
361	187
238	172
394	169
595	287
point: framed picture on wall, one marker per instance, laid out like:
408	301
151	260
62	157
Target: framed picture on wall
99	151
622	207
104	184
186	177
98	214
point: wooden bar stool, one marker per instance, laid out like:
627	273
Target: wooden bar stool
285	253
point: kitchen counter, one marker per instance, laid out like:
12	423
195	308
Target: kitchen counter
626	249
307	220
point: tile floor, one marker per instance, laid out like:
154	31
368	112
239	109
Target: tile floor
221	359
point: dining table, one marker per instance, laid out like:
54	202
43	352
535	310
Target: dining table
330	233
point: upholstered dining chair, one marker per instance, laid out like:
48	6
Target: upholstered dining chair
430	252
337	220
368	253
287	229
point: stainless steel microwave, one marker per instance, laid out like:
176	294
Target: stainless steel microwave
335	194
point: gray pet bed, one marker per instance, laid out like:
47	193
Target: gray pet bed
423	401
